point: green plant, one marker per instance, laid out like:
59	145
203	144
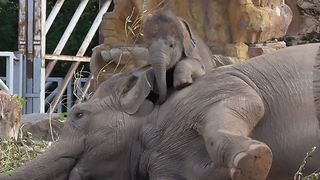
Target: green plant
62	116
21	100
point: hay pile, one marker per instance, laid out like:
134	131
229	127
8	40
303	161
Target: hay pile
14	153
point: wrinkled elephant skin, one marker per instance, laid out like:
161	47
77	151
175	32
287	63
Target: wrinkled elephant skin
233	122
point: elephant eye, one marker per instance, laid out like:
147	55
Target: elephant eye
79	112
171	45
79	115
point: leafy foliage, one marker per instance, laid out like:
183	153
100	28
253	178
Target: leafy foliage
9	10
80	31
63	116
9	16
22	101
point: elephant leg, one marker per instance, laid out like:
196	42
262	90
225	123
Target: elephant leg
225	132
185	71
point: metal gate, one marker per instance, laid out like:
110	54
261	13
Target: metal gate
14	73
33	27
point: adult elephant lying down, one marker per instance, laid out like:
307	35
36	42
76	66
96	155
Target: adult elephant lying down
222	126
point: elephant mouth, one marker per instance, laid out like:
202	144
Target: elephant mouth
73	153
69	157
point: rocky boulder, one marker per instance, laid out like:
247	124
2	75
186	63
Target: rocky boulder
42	125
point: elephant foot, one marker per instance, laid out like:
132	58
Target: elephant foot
182	83
181	86
253	164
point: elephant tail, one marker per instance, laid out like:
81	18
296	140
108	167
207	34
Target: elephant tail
316	84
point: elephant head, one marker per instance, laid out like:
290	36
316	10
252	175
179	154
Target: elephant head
95	132
168	38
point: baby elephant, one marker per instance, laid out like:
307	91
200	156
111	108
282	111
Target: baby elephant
172	43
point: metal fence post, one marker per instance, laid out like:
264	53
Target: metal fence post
9	73
67	33
35	65
14	73
33	27
17	74
81	51
42	55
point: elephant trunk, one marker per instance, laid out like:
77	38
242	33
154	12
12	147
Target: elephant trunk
160	70
159	61
54	163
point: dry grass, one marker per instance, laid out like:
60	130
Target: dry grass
14	153
299	174
133	25
77	88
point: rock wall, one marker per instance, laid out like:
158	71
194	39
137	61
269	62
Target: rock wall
305	25
229	27
219	22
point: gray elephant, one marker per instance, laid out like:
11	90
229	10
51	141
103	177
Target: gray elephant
254	120
89	140
173	44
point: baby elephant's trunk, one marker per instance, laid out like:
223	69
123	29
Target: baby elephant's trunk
160	61
159	69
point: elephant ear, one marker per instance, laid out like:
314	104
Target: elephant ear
135	91
189	42
316	84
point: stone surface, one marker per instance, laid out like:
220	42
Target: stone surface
39	125
258	22
225	25
239	50
264	48
10	115
305	26
218	22
116	23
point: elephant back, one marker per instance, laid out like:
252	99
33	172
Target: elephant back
316	84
